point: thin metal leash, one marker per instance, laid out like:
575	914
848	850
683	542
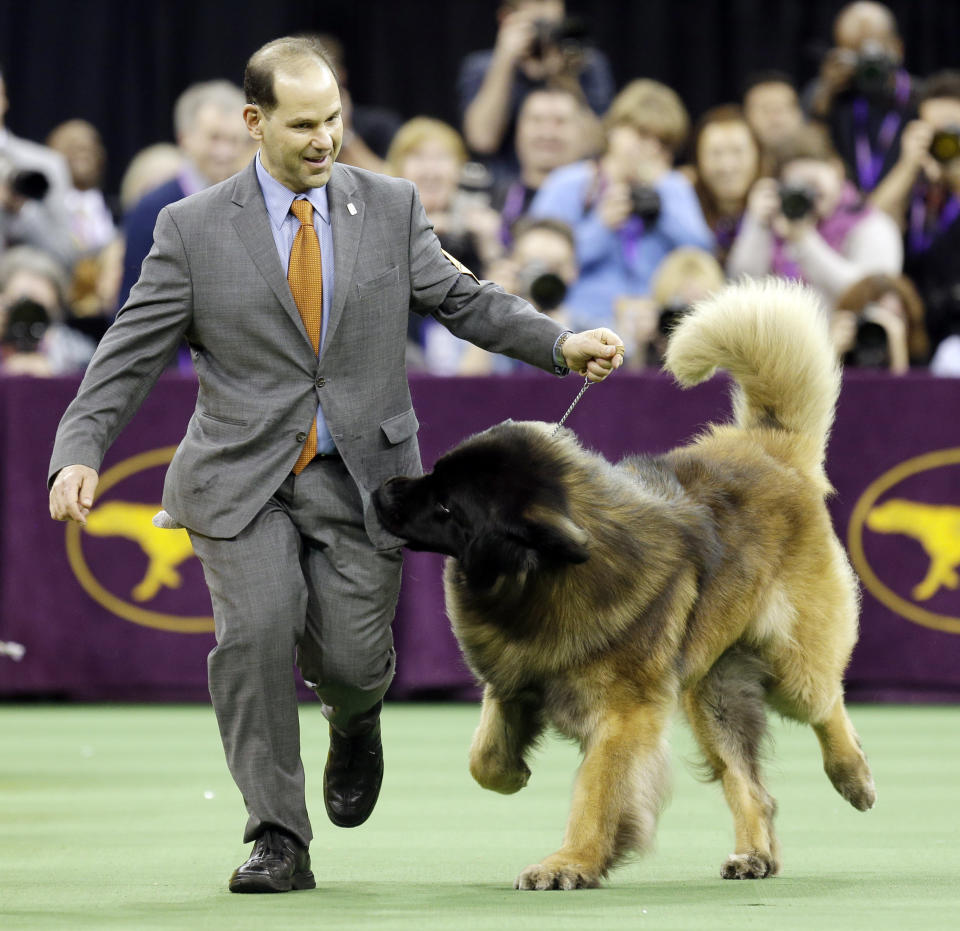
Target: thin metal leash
580	394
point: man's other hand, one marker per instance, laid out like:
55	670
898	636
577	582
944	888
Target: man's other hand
594	353
71	495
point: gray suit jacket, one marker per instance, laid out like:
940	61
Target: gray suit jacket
214	277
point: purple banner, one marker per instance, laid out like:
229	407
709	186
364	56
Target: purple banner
119	610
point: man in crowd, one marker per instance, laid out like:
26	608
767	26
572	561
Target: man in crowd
212	140
863	93
772	108
553	127
292	284
33	182
536	45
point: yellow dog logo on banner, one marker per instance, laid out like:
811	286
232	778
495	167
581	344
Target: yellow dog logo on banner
165	551
936	527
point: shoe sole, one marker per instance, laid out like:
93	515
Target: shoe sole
261	884
356	820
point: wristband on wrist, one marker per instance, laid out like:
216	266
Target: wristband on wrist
560	366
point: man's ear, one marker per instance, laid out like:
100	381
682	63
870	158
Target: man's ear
556	538
253	117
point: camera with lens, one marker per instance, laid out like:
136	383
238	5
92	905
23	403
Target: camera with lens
569	34
945	145
26	323
24	182
873	69
670	315
871	346
544	289
796	201
645	203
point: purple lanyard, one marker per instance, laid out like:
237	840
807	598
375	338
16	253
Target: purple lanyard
921	236
870	163
512	209
630	235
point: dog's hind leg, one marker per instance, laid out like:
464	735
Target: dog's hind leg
808	671
726	712
617	798
506	732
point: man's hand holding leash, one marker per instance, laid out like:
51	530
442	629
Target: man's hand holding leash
593	353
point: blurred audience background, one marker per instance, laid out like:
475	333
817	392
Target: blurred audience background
552	147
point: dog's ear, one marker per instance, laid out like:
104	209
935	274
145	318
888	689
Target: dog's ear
556	538
487	557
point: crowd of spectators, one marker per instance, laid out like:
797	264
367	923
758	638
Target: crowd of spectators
602	206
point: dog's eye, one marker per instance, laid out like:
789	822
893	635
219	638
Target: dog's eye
442	511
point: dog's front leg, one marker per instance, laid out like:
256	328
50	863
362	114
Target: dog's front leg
617	798
506	731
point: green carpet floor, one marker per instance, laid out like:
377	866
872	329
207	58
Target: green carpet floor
125	817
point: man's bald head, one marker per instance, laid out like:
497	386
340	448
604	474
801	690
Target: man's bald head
288	55
865	20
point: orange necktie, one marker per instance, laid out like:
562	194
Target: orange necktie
305	276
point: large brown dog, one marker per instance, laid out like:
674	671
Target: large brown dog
596	598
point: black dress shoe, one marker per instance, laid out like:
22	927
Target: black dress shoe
354	771
278	864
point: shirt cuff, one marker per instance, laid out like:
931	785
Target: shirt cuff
559	363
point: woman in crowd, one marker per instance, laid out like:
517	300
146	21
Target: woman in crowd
879	324
726	160
432	155
811	223
628	208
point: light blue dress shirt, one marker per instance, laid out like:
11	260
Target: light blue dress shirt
284	226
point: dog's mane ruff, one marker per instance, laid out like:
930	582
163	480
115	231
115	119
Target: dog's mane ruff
599	607
772	336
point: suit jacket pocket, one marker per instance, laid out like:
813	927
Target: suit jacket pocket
224	418
388	279
401	427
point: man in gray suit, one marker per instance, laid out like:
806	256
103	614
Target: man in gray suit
294	558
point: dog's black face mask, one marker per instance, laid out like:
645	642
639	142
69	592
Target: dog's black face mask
485	505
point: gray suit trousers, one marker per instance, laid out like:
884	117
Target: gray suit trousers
302	581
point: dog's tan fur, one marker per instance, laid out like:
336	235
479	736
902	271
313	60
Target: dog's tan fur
714	581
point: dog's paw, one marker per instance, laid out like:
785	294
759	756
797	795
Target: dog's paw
749	866
563	876
493	774
855	784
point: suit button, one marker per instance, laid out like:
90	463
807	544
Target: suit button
320	381
301	437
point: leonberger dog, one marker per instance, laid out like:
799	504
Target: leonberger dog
596	598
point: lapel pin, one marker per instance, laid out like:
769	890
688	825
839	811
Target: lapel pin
351	210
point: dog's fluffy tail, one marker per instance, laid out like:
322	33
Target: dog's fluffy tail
772	337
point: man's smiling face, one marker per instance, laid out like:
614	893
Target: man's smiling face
301	137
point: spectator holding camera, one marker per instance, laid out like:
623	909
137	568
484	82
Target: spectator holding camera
33	182
432	155
726	159
922	194
629	207
551	128
811	224
34	336
540	267
879	324
863	93
685	276
536	45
